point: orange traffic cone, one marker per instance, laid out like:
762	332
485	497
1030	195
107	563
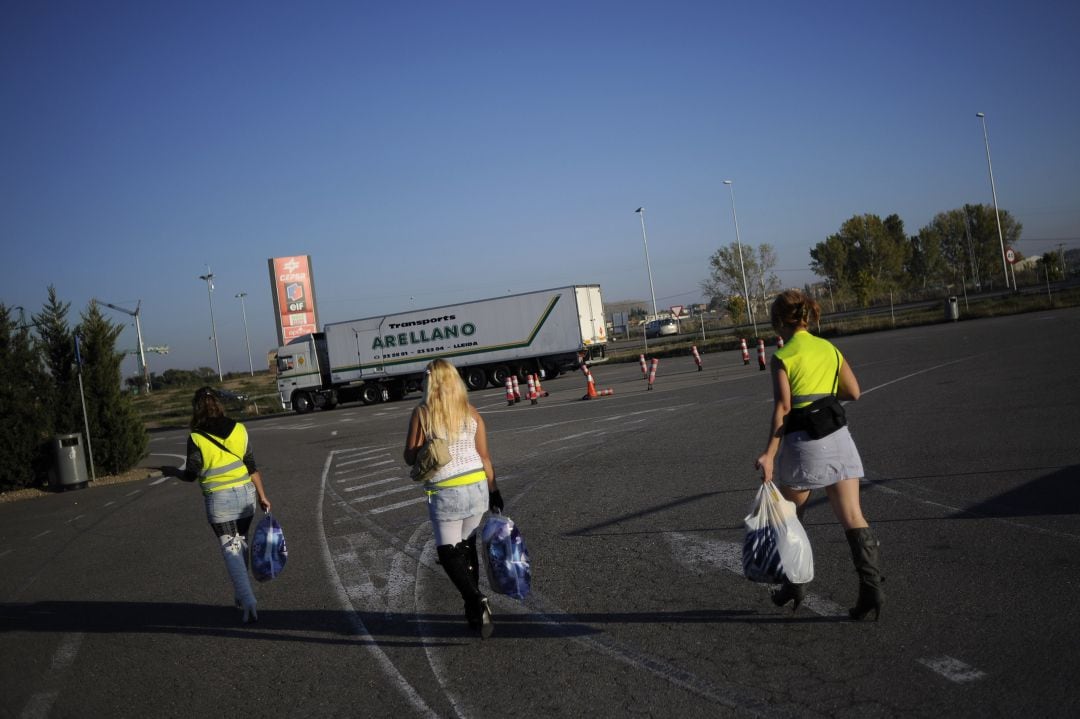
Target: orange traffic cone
591	394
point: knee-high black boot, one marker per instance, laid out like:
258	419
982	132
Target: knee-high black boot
454	560
864	553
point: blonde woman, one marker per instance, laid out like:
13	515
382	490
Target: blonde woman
463	489
806	369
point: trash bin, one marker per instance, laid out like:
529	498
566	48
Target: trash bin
952	309
70	462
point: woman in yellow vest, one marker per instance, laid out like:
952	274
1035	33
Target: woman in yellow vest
220	458
806	369
460	492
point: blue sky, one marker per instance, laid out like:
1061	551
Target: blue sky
425	153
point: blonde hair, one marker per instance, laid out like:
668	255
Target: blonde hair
794	308
445	406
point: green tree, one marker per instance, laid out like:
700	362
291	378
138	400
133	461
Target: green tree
57	343
118	435
24	449
726	275
866	258
968	243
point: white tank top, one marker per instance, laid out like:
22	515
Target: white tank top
463	455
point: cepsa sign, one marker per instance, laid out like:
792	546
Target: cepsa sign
293	288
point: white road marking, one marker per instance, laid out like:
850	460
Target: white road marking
65	654
156	482
397	680
953	669
39	536
379	495
39	705
399	505
371	484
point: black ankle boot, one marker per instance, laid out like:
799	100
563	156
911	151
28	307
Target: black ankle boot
788	592
456	565
865	555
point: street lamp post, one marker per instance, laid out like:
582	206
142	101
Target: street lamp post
247	340
209	278
738	245
993	191
641	213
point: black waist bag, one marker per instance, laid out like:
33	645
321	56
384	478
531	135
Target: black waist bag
818	419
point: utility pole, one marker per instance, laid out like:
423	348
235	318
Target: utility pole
209	278
247	341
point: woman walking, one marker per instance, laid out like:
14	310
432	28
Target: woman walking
220	458
806	369
460	492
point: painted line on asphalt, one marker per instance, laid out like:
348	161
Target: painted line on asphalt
380	495
397	680
953	669
371	484
156	482
39	536
399	505
65	654
39	705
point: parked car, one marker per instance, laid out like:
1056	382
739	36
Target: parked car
662	328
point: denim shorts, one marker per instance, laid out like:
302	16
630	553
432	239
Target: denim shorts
229	505
458	502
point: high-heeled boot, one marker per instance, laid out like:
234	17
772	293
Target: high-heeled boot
865	555
788	592
233	549
455	563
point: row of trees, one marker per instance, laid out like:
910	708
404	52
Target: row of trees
870	257
40	393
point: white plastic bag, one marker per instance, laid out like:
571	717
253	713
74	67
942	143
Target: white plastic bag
509	570
268	550
776	544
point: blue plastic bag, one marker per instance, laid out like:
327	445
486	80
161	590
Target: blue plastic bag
508	568
268	550
775	544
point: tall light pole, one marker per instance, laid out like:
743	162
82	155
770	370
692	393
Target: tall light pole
993	191
738	244
641	213
209	278
247	341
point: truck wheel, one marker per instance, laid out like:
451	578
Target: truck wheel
551	370
498	375
371	393
475	378
302	403
331	401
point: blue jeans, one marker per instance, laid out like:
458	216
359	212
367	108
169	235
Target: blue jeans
229	505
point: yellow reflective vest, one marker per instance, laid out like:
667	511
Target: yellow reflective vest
812	364
222	469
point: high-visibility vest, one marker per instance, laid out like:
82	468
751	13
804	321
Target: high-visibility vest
811	364
221	469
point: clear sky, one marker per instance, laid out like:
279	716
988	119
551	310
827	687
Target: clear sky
425	153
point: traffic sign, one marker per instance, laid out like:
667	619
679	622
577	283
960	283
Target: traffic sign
676	310
1010	256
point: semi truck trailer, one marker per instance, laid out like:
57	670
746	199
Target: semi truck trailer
383	358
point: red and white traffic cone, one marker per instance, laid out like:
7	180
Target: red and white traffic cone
745	352
509	392
591	387
779	342
540	391
697	357
761	354
532	389
605	392
644	367
652	372
517	390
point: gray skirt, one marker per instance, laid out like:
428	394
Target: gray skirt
806	463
